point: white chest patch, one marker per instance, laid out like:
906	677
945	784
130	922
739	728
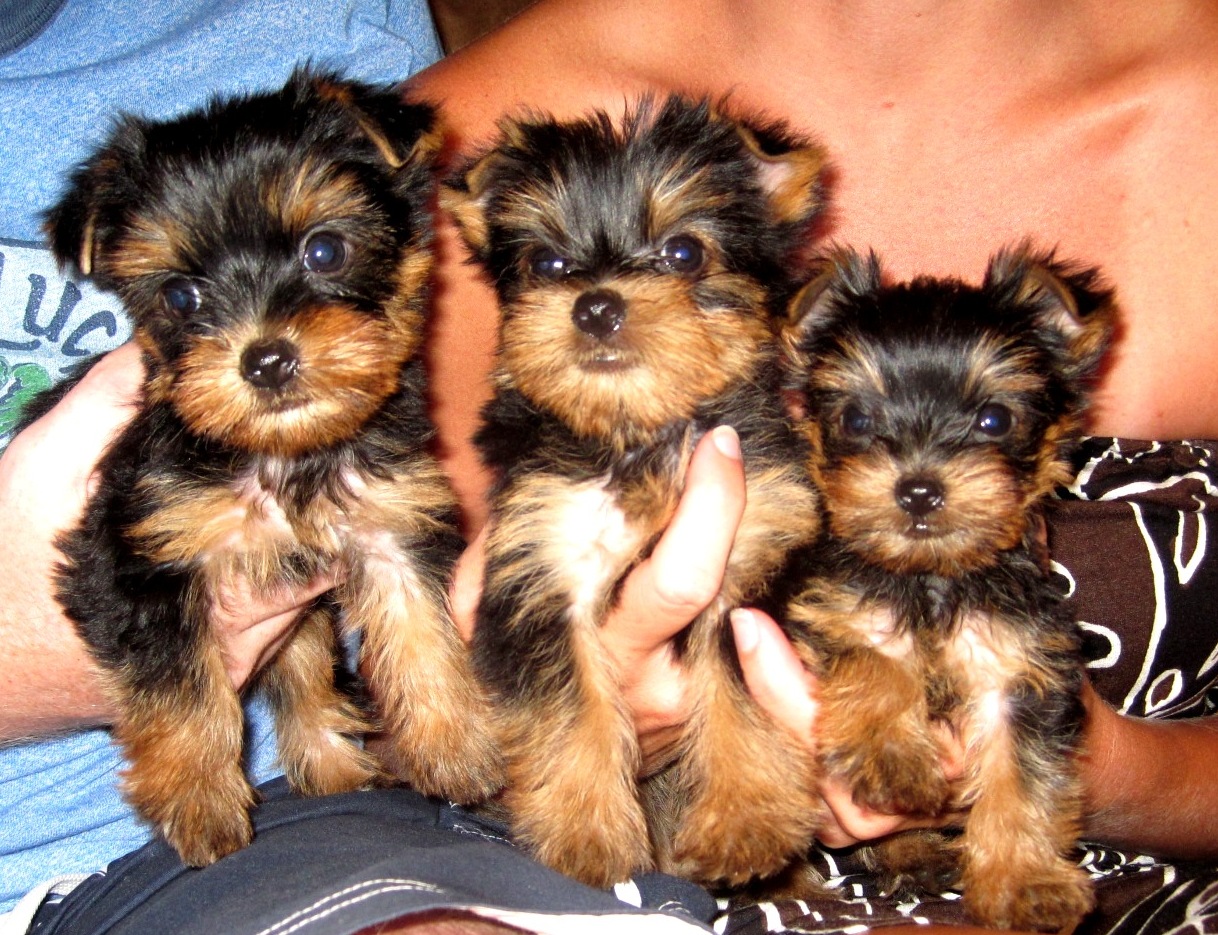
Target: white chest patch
591	544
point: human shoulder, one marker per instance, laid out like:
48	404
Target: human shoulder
560	56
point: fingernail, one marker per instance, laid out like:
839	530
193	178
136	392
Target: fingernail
744	627
727	441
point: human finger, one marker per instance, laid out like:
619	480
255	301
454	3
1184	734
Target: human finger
253	627
465	591
775	676
684	572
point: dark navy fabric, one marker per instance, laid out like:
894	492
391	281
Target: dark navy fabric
332	865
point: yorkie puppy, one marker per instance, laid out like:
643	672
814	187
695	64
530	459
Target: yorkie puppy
641	267
939	417
274	252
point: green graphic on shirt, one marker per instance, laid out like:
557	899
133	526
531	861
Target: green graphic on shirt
18	385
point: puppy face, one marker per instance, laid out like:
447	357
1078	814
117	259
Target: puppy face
274	252
939	413
636	264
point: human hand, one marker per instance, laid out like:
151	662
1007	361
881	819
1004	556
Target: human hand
47	678
781	684
661	596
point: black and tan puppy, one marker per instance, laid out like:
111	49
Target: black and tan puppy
940	416
641	266
274	252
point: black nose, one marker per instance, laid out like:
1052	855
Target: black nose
599	313
270	365
919	496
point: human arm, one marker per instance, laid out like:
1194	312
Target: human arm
1149	784
48	681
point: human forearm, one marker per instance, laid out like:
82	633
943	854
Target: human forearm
1149	784
48	682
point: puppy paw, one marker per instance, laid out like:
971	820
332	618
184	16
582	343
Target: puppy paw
594	833
731	850
204	821
459	763
200	843
894	776
1053	897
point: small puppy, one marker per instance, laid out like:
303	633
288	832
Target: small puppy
641	267
939	418
274	252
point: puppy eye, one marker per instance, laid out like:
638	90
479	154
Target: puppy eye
855	422
681	254
324	252
549	265
994	420
180	295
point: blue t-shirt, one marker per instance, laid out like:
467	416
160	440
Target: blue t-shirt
60	811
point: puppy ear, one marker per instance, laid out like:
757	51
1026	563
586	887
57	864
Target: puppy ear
834	278
790	171
465	195
1071	303
78	225
71	225
402	131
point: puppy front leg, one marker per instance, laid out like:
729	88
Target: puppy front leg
750	785
317	725
182	736
874	731
402	548
553	556
1025	819
179	721
432	708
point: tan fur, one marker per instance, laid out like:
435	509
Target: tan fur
316	725
792	180
431	707
998	372
236	533
858	374
343	378
418	668
1014	874
428	143
313	194
669	199
874	724
150	244
581	542
466	212
185	755
749	802
666	361
584	762
982	513
571	786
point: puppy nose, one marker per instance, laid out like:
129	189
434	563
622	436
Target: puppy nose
599	313
270	365
919	496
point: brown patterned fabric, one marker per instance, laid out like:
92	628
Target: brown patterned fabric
1131	541
1131	538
